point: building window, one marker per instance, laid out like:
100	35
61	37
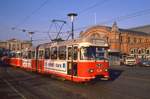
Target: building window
147	51
129	40
135	50
18	48
121	39
146	41
95	36
13	47
132	51
140	40
134	40
139	51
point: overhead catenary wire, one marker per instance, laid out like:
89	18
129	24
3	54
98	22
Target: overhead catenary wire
45	2
49	31
128	16
119	18
99	3
38	31
32	13
40	40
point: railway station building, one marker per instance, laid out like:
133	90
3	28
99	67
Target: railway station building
122	42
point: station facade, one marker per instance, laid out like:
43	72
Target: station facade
122	41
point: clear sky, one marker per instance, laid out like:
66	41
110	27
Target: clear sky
37	15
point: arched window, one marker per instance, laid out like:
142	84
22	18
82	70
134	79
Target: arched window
129	40
132	51
148	51
95	36
134	40
139	51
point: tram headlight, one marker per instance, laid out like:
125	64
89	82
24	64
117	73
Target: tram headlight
98	65
91	70
105	70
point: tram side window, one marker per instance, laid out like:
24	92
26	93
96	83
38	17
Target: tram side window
84	53
24	55
13	55
29	54
62	52
69	53
75	53
18	55
54	53
41	54
47	53
33	54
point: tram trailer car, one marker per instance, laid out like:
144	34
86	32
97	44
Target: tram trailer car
78	60
14	59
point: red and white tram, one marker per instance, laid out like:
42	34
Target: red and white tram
78	60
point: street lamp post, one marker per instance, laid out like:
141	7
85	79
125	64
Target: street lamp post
72	16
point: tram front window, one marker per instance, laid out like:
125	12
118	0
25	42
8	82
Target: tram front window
92	53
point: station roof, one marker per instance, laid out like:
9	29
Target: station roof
145	28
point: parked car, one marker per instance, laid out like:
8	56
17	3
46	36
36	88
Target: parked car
130	60
145	63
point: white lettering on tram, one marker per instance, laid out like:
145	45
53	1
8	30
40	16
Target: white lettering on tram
26	63
58	66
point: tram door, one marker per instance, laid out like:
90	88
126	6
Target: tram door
40	61
72	60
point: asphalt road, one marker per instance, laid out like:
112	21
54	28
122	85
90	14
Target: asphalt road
126	83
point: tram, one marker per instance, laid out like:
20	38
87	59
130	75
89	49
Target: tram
78	60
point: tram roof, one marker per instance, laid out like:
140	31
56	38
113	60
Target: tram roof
79	41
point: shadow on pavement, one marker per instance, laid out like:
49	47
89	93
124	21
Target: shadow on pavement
114	74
